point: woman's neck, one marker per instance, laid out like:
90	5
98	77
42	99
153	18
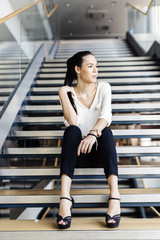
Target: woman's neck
86	89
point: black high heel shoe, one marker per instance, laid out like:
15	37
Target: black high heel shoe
67	219
116	217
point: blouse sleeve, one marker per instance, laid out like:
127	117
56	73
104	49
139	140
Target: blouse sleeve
106	110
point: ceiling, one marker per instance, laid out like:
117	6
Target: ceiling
94	18
80	19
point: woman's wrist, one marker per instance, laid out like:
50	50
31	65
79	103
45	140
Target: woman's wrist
97	132
92	134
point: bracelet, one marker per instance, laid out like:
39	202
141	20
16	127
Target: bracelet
95	137
92	135
99	133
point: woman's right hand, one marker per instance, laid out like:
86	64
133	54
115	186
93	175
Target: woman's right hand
65	89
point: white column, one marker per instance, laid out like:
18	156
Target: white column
14	25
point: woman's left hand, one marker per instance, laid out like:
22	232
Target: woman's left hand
86	144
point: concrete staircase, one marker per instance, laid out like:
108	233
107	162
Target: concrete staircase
31	153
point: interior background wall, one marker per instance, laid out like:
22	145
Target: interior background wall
94	18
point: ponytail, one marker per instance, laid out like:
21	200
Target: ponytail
71	75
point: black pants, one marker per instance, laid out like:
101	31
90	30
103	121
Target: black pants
105	156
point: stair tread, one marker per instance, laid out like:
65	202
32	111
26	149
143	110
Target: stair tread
128	170
121	118
59	133
47	64
77	192
83	224
115	107
104	74
114	97
121	59
139	88
103	68
121	151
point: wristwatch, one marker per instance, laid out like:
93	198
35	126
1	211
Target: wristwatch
98	132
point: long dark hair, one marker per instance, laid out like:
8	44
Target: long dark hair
71	75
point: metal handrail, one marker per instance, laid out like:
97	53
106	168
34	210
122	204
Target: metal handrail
52	11
135	7
2	20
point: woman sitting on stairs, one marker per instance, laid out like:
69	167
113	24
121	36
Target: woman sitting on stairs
87	140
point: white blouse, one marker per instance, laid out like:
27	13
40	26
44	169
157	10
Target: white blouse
100	108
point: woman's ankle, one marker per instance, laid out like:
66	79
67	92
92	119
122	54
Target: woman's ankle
114	193
66	195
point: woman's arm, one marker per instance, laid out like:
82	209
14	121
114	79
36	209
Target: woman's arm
86	144
68	110
100	124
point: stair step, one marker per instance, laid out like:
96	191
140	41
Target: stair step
105	75
105	55
117	49
53	64
10	76
116	119
124	171
81	228
103	69
5	91
130	107
115	97
53	134
3	99
129	197
123	151
115	89
112	81
5	72
8	84
15	66
15	62
99	59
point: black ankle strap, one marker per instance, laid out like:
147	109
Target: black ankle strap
114	198
66	198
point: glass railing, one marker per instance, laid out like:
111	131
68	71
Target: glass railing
143	22
20	38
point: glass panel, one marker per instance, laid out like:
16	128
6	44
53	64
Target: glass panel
145	28
10	58
21	37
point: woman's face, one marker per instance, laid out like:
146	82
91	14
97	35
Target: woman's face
88	72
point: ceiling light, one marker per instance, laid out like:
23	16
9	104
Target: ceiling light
91	6
68	4
110	20
113	3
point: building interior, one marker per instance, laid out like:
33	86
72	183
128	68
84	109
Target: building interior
36	39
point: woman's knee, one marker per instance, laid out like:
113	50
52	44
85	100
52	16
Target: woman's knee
107	132
106	138
72	132
73	129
